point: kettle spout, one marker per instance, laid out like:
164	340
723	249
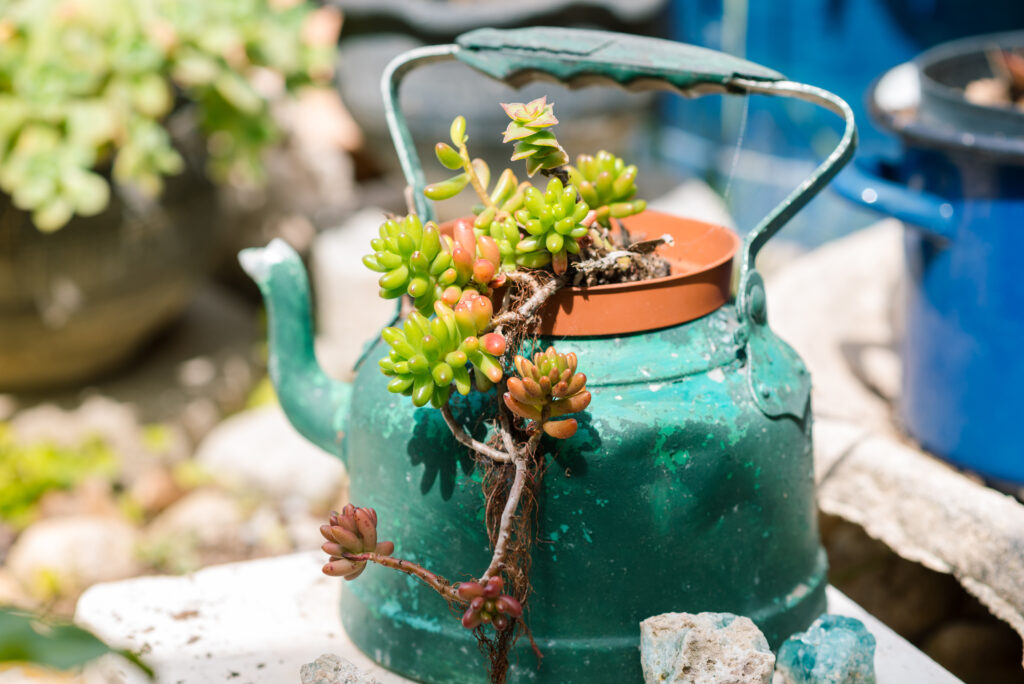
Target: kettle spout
314	403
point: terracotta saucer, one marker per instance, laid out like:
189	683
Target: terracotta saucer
699	283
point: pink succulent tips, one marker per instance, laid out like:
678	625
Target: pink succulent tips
351	533
488	605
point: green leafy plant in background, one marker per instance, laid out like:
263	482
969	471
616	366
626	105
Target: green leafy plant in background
522	244
86	87
28	471
26	638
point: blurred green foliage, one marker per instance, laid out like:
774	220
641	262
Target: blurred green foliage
26	638
86	87
27	471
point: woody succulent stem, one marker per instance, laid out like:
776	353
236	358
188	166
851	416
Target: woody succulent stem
521	460
540	295
468	441
435	582
474	177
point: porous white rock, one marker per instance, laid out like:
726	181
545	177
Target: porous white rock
331	669
706	648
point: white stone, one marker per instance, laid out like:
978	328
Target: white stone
207	517
706	648
259	449
349	310
263	619
332	669
74	551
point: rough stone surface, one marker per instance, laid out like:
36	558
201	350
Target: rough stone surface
71	553
259	449
867	471
261	619
706	648
835	650
331	669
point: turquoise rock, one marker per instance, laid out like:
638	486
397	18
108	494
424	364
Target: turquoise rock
835	650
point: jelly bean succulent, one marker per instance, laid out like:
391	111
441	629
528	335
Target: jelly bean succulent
488	605
554	221
88	86
471	292
607	185
547	388
430	356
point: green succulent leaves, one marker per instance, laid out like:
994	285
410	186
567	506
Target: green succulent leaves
92	84
416	260
554	222
429	356
607	185
533	141
548	387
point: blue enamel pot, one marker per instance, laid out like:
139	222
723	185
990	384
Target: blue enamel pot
959	188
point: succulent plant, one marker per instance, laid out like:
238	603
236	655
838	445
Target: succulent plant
87	86
607	185
428	355
352	531
533	141
548	387
488	605
554	222
417	260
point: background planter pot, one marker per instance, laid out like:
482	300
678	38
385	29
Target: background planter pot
959	187
78	302
689	485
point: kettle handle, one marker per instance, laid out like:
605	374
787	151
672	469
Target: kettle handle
579	56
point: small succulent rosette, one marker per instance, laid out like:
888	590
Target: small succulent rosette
487	605
351	532
547	388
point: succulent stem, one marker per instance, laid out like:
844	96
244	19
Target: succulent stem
540	295
521	459
474	179
435	582
468	441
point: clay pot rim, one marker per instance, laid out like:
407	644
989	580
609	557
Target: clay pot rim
694	289
672	278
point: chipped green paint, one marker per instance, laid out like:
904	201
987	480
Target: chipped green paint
688	469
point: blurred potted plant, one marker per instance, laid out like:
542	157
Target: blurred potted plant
115	116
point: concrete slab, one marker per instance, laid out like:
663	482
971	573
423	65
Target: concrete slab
260	621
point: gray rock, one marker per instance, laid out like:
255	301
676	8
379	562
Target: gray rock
331	669
835	650
68	554
209	518
260	450
707	648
